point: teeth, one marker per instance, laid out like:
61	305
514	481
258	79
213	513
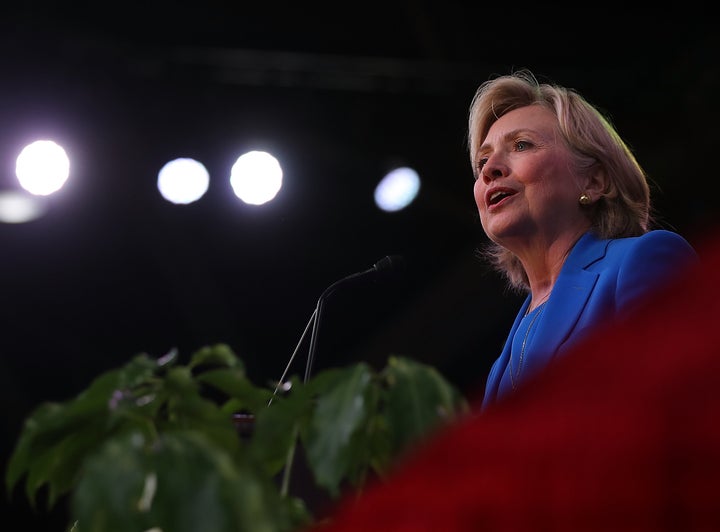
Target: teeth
496	195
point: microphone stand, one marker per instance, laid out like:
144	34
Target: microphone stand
382	266
281	382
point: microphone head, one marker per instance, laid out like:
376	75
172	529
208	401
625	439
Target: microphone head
389	264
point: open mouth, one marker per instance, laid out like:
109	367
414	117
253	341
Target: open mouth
498	195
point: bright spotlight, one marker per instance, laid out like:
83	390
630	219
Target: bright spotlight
42	167
183	180
397	189
18	207
256	177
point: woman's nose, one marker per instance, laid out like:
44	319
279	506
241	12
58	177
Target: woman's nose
493	169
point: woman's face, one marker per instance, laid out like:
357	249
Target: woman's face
526	189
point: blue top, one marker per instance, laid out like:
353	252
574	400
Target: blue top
600	280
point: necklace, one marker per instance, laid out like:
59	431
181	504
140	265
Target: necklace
538	310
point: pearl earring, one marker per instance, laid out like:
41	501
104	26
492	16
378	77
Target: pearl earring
584	199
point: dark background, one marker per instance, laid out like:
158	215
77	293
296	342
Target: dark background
340	95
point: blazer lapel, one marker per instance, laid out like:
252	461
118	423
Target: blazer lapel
570	294
568	299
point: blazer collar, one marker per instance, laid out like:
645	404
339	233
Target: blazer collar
588	249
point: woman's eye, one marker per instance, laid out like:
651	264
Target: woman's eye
478	168
522	145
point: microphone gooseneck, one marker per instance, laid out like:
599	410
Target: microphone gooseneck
384	267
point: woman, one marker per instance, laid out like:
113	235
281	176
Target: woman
566	207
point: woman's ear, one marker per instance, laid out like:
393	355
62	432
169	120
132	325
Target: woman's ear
597	185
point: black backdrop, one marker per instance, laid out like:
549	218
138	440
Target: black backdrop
340	96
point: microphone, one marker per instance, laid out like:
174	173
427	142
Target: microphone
383	268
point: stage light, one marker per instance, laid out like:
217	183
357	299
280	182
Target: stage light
256	177
397	189
42	167
183	180
17	207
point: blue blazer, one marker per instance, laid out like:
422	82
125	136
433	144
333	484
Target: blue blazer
601	280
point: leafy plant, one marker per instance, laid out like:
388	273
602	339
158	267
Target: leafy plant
158	445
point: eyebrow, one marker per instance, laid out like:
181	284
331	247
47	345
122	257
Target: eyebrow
483	148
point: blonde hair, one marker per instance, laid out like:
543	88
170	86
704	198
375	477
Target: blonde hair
624	208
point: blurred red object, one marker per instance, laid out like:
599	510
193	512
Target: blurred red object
624	434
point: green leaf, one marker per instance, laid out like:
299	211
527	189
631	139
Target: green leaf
136	372
143	446
60	465
216	355
276	426
189	411
376	449
179	380
112	484
180	483
234	383
45	430
338	419
418	400
24	452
